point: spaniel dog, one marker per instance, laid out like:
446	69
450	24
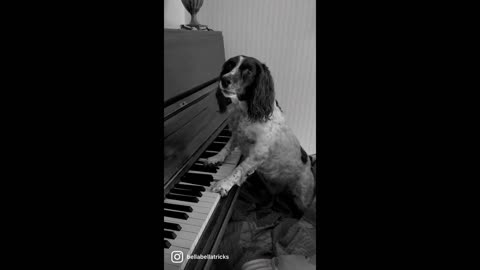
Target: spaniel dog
258	126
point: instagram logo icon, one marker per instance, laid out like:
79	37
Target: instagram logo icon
177	256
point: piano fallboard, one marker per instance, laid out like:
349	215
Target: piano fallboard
188	133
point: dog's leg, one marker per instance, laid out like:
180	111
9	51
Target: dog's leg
303	191
242	171
220	157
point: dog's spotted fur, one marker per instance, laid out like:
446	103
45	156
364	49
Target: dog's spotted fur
258	128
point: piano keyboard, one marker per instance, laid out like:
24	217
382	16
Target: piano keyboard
189	205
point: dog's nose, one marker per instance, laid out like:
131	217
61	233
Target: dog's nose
226	81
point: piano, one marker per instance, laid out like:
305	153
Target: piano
194	218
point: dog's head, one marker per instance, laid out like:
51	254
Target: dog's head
246	79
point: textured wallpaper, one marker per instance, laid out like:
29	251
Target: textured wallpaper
280	33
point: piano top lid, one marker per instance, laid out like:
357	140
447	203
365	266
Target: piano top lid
192	60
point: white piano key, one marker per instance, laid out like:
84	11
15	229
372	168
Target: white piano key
186	235
193	227
199	172
201	204
204	193
189	221
233	158
196	208
224	171
189	231
200	163
167	266
207	190
197	215
207	198
200	199
178	242
167	262
193	214
187	227
208	194
192	184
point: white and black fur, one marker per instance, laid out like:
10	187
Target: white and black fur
259	130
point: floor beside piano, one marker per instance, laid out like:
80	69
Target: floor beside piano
254	234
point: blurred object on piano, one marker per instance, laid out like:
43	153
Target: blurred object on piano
194	218
193	7
199	28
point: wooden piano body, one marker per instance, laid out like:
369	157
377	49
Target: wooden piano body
192	125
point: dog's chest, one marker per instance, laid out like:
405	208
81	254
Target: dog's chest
245	131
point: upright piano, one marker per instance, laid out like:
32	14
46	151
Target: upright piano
194	217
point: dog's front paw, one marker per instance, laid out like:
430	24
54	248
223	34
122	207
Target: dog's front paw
214	160
222	187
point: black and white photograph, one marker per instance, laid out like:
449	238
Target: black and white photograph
239	135
295	134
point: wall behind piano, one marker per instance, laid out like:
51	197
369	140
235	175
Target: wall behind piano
173	14
280	33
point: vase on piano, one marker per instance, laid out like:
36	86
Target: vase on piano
193	7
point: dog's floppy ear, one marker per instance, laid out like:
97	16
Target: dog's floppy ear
262	95
222	101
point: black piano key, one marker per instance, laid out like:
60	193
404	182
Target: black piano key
198	179
199	163
190	187
203	168
222	139
169	234
202	182
173	214
182	198
194	193
225	132
172	226
216	146
178	207
207	154
166	244
200	176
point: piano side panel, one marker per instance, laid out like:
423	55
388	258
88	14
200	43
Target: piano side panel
192	58
180	145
